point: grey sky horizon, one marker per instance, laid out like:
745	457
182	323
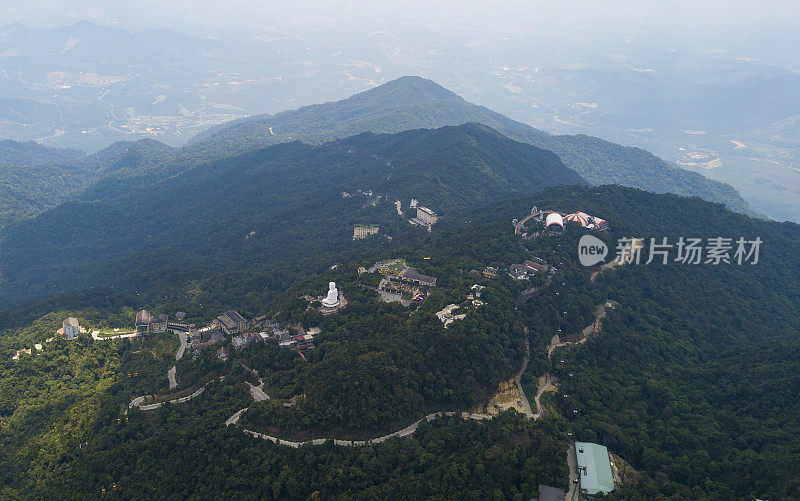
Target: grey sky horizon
253	15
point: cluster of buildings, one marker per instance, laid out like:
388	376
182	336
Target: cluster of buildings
153	324
229	324
70	328
400	278
204	338
554	222
296	337
527	269
243	340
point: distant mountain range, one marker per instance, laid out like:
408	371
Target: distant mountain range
411	102
724	115
87	86
405	103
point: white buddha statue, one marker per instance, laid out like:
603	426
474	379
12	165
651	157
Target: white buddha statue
332	299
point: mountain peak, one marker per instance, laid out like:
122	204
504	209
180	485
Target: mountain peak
415	88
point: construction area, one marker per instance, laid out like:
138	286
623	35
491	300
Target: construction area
447	315
507	397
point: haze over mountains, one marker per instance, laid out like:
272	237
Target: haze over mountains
724	110
405	103
137	200
410	102
87	86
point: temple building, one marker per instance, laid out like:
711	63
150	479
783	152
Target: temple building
231	322
147	323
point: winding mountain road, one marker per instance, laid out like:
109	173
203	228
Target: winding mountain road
172	377
139	401
408	430
546	383
572	463
235	418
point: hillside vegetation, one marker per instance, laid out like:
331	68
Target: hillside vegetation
266	214
35	178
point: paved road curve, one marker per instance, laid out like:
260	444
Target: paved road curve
573	493
526	406
97	337
139	401
408	430
257	392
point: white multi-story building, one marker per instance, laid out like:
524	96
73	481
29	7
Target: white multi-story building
426	215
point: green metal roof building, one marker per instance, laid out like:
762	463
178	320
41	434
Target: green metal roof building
594	468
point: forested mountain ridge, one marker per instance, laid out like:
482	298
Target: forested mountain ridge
284	202
34	178
413	102
131	157
692	378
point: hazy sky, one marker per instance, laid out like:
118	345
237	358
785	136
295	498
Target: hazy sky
766	29
230	15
